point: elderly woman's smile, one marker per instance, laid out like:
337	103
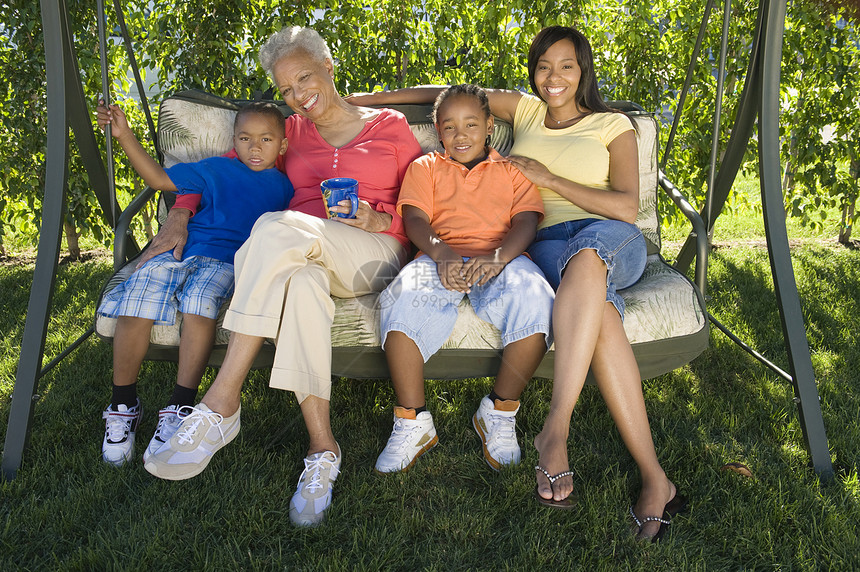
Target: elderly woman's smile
305	82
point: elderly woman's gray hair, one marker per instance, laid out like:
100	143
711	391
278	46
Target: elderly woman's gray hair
290	39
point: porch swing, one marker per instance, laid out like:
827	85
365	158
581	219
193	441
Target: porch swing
666	321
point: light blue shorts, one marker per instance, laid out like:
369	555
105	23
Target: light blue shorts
198	285
619	244
518	302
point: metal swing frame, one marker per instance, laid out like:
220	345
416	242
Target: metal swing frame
760	100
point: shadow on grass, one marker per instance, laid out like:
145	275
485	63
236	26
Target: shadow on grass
451	511
828	281
15	292
76	289
726	407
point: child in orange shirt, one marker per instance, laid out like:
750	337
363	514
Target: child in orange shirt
472	214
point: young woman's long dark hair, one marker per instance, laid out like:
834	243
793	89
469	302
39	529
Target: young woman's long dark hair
587	95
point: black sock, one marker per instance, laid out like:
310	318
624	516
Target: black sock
182	396
124	395
416	409
494	396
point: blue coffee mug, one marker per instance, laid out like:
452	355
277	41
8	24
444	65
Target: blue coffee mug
340	189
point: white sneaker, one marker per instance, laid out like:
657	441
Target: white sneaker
168	423
313	493
412	436
120	427
200	435
496	425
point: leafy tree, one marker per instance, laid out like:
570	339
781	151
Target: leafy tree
22	140
641	48
821	131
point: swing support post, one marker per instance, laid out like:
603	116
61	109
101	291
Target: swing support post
67	108
760	99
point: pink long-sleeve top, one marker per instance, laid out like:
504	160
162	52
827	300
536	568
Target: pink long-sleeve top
377	158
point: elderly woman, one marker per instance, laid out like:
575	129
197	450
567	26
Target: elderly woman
296	259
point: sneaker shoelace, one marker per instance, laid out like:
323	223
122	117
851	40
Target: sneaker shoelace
117	427
502	427
314	468
401	435
185	434
167	421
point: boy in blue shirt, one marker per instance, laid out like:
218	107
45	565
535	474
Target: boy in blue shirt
235	192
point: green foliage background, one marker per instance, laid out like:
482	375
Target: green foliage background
642	50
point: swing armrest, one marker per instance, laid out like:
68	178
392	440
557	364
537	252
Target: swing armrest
699	230
123	225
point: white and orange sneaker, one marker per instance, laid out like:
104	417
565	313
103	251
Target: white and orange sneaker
412	436
496	424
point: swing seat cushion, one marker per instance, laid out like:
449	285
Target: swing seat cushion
665	319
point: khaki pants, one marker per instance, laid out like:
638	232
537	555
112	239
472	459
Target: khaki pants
286	273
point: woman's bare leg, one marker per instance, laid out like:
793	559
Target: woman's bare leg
577	318
224	394
617	375
317	415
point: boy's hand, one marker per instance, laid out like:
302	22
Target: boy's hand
113	116
450	269
479	270
149	170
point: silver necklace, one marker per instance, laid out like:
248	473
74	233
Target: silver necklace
557	122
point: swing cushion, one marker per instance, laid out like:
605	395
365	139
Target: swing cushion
665	318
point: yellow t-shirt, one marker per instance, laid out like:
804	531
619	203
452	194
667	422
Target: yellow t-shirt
578	153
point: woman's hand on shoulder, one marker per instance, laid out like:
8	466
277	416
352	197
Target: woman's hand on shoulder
365	217
535	171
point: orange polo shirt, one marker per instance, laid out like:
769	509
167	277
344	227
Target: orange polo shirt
471	210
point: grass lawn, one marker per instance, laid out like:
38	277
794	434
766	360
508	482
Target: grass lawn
68	510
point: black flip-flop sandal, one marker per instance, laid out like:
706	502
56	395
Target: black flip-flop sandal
676	505
565	503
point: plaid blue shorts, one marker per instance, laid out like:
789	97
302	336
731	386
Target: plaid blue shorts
197	285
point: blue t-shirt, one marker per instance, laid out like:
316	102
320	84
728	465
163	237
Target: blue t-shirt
233	198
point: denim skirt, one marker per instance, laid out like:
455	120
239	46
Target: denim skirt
619	244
